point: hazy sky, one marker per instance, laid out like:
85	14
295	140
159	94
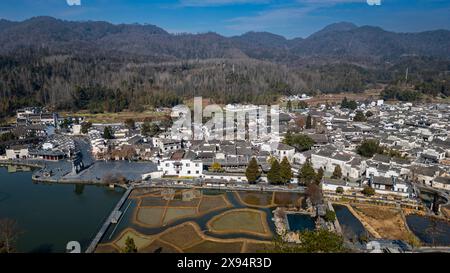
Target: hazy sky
290	18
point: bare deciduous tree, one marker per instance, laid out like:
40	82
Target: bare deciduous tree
314	193
9	233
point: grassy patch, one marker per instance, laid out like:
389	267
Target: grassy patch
140	240
182	236
387	221
187	203
151	201
178	213
159	247
253	247
287	199
260	199
150	216
211	203
242	220
215	247
106	248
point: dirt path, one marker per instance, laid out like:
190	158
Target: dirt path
366	225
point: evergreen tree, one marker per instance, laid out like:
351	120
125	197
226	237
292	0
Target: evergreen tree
288	138
300	142
369	114
85	126
352	105
307	173
108	133
359	117
130	246
344	103
289	106
337	173
150	129
252	172
370	147
309	124
274	175
285	170
130	123
319	175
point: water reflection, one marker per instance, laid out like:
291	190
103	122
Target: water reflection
430	230
352	228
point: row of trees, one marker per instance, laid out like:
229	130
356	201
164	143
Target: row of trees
282	173
279	173
308	175
317	241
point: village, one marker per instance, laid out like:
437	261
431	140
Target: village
365	152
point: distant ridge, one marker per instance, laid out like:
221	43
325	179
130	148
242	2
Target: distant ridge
339	41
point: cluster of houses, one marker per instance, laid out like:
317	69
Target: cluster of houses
54	148
35	138
35	116
417	135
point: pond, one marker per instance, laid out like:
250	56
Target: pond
300	222
352	228
430	231
49	216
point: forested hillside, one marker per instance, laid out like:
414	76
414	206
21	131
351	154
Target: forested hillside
102	67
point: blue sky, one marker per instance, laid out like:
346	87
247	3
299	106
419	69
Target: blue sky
290	18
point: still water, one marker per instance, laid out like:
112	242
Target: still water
431	231
49	216
300	222
351	226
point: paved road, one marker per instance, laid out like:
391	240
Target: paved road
85	150
235	187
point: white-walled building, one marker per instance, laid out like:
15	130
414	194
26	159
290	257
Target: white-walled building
180	164
17	152
284	150
352	166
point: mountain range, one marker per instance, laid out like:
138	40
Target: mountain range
102	67
340	41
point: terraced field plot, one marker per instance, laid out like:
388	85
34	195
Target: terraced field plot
175	220
106	248
139	192
216	247
287	199
159	247
253	247
258	199
240	220
152	201
173	214
149	216
183	236
154	210
140	240
210	203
